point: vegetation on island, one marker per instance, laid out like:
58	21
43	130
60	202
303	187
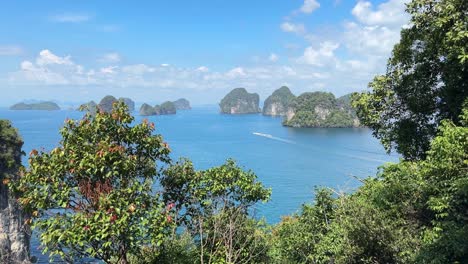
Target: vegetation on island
182	104
100	178
278	102
239	101
166	108
320	109
49	106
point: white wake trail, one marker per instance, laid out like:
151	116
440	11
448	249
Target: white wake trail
274	138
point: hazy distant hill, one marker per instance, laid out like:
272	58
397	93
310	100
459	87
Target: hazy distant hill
49	106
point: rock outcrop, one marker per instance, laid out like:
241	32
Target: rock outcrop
49	106
320	109
90	106
277	103
182	104
166	108
106	103
147	110
239	101
14	233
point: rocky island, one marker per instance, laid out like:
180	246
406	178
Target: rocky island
106	104
320	109
89	106
182	104
49	106
277	103
239	101
166	108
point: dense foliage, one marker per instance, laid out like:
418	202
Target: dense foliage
92	195
128	102
9	142
426	79
320	109
36	106
213	206
412	212
277	103
239	101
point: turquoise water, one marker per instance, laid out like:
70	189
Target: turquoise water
289	160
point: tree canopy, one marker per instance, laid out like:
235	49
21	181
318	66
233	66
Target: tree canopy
92	195
426	79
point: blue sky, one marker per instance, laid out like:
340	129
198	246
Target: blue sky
151	51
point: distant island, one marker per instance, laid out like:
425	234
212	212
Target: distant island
106	104
182	104
49	106
239	101
166	108
277	104
89	106
320	109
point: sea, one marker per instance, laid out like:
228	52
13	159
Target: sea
290	161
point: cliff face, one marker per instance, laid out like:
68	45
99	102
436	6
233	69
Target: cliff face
320	109
239	101
277	103
106	103
182	104
14	233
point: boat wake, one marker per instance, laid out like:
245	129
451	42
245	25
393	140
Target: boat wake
274	138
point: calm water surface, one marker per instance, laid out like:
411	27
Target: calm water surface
289	160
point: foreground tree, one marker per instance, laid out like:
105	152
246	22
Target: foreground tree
215	208
92	195
426	79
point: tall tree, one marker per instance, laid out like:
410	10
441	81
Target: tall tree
426	79
92	195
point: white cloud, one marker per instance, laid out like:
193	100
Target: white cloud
293	28
236	72
321	56
309	6
370	40
273	57
390	13
138	69
203	69
46	57
165	65
70	18
112	57
109	69
10	50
